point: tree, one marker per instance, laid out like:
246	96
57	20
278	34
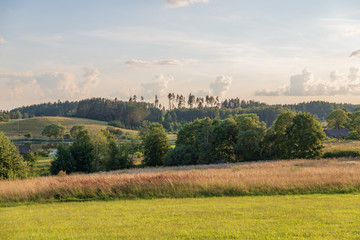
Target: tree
251	134
28	135
11	163
155	145
64	161
279	148
74	131
55	130
30	158
337	119
83	152
305	136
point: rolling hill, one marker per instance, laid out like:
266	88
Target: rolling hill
17	128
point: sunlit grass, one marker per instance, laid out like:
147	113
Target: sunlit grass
36	125
269	217
261	178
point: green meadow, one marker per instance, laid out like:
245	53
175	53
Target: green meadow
261	217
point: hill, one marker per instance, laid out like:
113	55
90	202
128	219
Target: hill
35	125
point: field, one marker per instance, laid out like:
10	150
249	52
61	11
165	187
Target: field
259	178
342	144
266	217
17	128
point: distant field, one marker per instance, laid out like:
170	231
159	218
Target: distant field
269	217
288	177
17	128
342	144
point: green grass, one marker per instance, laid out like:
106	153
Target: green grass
275	217
18	128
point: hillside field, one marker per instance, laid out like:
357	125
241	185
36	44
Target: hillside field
17	128
260	217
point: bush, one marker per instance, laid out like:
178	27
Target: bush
28	135
181	155
338	153
118	124
353	135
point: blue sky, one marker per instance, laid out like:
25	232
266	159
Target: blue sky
272	51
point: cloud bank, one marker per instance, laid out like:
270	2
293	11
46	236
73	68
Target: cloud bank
158	86
2	40
355	53
221	85
53	85
182	3
304	84
142	63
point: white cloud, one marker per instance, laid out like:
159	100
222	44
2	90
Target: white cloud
2	40
355	53
53	85
182	3
158	86
304	84
142	63
221	85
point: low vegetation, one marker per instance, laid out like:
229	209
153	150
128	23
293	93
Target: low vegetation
270	217
261	178
35	126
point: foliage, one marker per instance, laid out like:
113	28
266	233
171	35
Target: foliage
155	145
28	135
181	155
64	161
30	158
339	153
83	153
55	130
74	131
337	119
11	163
305	136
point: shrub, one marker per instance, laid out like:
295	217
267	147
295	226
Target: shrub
353	135
181	155
338	153
118	124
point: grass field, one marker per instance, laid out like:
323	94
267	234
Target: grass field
342	144
17	128
269	217
257	178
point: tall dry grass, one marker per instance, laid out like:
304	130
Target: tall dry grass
262	178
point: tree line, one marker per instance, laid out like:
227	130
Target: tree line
181	109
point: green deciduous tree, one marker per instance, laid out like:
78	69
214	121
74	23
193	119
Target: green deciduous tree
55	130
155	145
64	161
337	119
74	131
11	163
305	136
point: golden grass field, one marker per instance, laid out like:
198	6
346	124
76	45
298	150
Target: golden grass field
258	178
35	125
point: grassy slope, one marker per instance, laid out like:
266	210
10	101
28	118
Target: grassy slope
274	217
18	128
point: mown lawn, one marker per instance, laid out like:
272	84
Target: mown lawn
261	217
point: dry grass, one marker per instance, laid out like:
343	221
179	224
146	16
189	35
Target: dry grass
341	144
262	178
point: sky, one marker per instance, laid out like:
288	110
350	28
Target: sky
278	51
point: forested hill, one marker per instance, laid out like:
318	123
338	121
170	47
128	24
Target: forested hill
131	114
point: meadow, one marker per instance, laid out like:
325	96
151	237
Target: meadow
35	125
241	179
259	217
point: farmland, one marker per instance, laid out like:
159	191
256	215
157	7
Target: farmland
265	217
17	128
